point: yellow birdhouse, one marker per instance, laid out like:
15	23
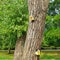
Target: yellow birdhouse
31	18
37	52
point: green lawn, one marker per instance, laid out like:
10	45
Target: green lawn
45	55
50	55
6	56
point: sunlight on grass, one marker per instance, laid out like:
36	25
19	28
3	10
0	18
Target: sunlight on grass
6	56
49	55
45	55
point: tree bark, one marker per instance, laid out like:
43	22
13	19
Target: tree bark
37	9
19	48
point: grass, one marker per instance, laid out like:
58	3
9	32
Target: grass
45	55
6	56
50	55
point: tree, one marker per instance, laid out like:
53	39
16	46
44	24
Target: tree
13	16
37	13
52	25
54	7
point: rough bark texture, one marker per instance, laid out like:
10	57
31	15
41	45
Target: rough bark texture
19	48
37	9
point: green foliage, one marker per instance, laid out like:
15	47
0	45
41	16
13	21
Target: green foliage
14	23
53	37
52	25
52	31
54	7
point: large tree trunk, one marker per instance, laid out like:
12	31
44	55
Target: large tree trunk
37	9
19	48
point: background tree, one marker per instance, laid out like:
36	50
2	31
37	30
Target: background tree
13	21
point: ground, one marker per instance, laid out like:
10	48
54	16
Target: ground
45	55
50	55
6	56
